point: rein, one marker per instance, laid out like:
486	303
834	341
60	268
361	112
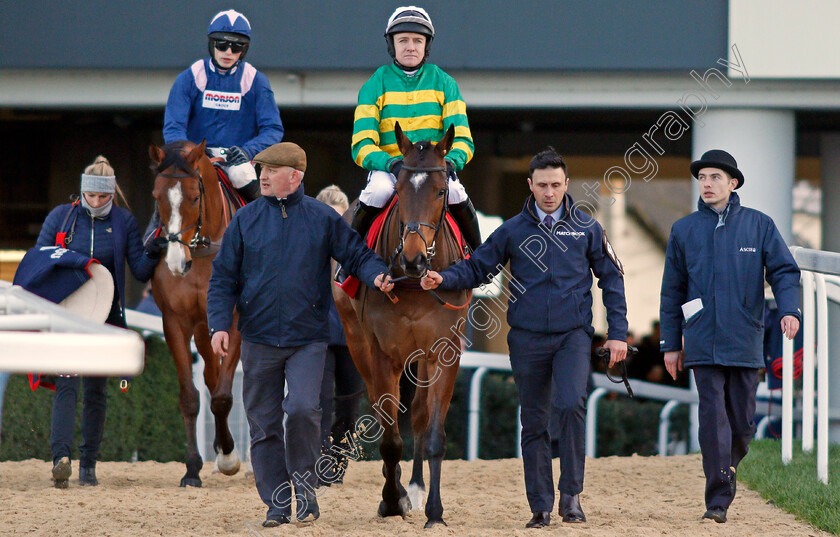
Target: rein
604	354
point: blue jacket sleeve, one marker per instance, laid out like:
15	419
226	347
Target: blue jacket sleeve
611	282
224	280
485	262
782	273
176	118
268	118
141	265
50	227
672	296
348	248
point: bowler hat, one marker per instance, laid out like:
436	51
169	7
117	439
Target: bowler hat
283	154
718	158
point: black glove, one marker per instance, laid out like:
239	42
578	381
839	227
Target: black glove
154	246
235	156
450	170
395	168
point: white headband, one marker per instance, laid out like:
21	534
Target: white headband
98	183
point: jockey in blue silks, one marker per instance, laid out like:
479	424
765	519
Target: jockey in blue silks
225	100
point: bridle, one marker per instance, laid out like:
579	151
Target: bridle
414	227
198	240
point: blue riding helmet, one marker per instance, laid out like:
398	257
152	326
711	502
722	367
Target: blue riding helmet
230	26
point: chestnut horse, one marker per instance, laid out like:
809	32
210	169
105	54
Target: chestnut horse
386	337
194	215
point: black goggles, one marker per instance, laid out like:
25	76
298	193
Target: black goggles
222	45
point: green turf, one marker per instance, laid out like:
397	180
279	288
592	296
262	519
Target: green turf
795	487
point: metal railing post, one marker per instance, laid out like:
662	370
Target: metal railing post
592	421
664	425
474	413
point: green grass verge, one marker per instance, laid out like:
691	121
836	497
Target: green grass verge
795	487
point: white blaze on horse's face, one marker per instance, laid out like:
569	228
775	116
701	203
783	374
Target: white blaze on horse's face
176	259
417	180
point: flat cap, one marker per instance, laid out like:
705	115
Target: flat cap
283	154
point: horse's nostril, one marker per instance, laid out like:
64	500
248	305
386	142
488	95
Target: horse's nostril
187	266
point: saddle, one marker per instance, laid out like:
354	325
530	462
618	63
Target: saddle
234	200
351	284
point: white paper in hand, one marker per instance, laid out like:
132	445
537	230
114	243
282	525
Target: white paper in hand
692	308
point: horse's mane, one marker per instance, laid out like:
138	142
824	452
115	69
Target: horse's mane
174	156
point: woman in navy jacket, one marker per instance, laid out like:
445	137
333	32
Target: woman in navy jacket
95	227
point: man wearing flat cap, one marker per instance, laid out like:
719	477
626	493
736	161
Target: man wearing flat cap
274	267
712	314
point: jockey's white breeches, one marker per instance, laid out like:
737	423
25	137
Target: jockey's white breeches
239	175
381	185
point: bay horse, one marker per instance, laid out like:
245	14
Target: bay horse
194	216
385	337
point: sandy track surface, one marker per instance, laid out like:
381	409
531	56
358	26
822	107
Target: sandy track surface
623	496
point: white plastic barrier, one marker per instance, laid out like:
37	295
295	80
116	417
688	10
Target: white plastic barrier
818	269
37	336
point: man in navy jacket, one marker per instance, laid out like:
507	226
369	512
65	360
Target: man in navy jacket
553	249
712	312
274	267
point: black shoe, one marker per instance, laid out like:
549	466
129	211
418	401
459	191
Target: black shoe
464	214
718	514
307	510
570	508
275	520
250	192
61	472
540	519
87	477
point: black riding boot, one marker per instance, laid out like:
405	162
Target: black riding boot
464	215
250	192
363	217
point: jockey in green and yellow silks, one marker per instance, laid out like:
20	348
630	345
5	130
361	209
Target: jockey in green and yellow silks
425	101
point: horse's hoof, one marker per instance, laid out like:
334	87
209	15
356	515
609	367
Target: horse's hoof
191	482
228	464
402	508
432	523
405	505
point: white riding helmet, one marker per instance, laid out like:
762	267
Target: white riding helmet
409	19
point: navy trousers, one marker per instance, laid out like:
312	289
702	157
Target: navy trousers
283	456
64	418
726	412
536	359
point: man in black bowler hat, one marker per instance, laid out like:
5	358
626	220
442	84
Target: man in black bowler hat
712	311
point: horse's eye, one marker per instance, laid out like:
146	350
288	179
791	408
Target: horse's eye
196	199
441	192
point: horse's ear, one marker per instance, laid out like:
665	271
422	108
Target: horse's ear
156	154
403	142
445	144
196	152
